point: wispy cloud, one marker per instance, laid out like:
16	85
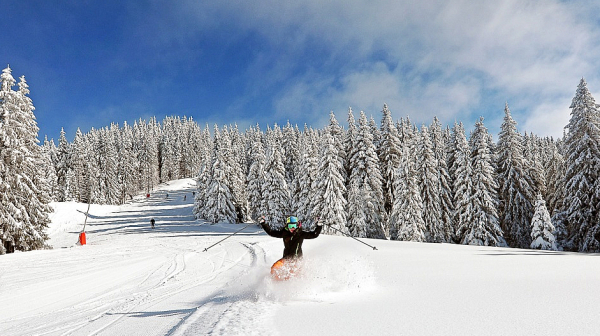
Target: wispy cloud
453	59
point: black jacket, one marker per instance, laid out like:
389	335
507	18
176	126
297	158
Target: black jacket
292	242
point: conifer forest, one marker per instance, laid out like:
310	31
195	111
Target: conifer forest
382	179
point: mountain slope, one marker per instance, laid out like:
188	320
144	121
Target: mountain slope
132	280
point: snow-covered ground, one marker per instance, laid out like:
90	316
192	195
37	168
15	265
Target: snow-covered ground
132	280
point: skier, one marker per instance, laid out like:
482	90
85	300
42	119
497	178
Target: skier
152	222
293	236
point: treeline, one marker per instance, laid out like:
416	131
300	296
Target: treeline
112	164
24	193
430	184
386	180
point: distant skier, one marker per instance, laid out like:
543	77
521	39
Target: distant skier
184	197
152	222
293	236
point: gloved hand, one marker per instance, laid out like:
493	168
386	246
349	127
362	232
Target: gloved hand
261	220
319	222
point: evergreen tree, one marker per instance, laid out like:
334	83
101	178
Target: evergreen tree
62	167
406	219
237	161
204	175
365	174
256	175
542	237
428	180
128	169
516	186
484	229
582	159
107	191
338	134
330	189
463	183
389	156
23	189
306	174
440	142
49	167
275	191
220	202
78	177
200	210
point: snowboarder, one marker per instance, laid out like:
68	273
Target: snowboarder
152	222
293	236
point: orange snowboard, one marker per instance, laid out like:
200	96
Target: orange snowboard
284	269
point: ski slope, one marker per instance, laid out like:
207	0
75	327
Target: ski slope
132	280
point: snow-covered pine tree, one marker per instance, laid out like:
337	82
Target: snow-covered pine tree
275	194
238	172
356	222
200	200
306	173
168	153
406	219
389	156
220	204
440	141
62	167
516	190
49	169
428	181
582	160
190	142
356	217
366	175
463	183
485	228
291	152
534	166
329	188
78	173
106	159
256	177
24	212
555	191
204	175
375	132
542	237
338	134
349	146
127	165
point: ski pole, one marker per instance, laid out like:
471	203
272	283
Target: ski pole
347	235
206	249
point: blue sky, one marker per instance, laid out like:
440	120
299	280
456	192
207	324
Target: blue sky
90	63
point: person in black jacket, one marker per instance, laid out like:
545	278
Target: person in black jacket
293	235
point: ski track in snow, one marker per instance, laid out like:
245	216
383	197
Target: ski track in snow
136	281
133	280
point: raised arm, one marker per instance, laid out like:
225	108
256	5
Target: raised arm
269	231
315	233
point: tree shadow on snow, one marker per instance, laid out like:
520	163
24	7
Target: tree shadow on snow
526	253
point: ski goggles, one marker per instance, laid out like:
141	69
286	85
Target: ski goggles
292	226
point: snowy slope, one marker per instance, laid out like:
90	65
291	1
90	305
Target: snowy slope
132	280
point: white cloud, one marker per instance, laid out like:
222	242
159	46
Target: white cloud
440	58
